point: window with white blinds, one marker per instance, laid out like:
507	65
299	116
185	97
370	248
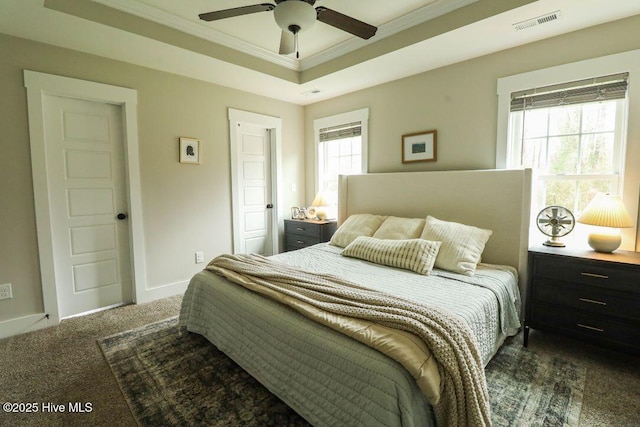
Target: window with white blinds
572	134
341	147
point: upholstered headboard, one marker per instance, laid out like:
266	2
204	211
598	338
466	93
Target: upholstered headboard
498	200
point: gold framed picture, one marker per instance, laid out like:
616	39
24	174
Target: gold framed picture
419	147
190	150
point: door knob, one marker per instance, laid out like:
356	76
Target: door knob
270	206
122	216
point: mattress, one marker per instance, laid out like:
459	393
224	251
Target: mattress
325	376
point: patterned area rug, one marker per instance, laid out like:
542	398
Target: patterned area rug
177	379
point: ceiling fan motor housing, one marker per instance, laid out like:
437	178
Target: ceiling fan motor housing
295	13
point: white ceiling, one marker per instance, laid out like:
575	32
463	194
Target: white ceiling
30	19
259	35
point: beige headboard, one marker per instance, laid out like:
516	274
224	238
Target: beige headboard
498	200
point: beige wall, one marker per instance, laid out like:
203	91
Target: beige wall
186	208
460	102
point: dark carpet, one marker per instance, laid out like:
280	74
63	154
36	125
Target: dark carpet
170	378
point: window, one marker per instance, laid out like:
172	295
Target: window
573	136
626	145
341	142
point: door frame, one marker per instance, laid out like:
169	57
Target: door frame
274	125
38	86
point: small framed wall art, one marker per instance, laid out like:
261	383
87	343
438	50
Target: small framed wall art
419	147
190	150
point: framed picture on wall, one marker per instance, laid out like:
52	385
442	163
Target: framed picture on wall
190	151
419	147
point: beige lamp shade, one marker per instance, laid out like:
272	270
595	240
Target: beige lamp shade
606	210
323	202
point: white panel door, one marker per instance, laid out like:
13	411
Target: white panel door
86	177
254	185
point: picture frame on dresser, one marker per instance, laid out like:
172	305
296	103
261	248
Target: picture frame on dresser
590	296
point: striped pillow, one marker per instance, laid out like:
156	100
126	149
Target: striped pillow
413	254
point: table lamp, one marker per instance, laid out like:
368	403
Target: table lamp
322	204
607	211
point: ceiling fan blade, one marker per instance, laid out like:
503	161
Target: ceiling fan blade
236	11
346	23
286	43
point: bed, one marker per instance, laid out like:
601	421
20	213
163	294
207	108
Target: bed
330	378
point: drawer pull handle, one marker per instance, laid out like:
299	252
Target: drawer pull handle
599	276
300	242
592	301
591	328
300	228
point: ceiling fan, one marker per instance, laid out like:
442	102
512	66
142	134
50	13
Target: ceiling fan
294	16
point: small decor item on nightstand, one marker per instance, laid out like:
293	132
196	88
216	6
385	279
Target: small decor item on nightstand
555	222
295	212
608	212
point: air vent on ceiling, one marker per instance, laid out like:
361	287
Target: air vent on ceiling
311	92
534	22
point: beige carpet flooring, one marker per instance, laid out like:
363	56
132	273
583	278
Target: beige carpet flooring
64	364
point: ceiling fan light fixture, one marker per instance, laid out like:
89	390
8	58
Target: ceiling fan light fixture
296	13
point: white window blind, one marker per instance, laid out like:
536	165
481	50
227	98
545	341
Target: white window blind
580	92
348	130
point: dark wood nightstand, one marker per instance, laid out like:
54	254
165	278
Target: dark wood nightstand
299	234
585	294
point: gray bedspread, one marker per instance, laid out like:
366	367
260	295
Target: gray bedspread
325	376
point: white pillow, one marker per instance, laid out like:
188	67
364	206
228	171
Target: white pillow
356	225
397	228
414	254
462	245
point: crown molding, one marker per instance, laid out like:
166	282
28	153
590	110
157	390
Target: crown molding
425	13
142	10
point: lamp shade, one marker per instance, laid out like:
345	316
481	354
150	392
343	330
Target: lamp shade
323	198
324	203
606	210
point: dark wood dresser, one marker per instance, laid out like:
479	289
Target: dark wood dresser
585	294
299	234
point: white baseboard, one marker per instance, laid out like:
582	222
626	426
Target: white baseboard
163	291
34	322
20	325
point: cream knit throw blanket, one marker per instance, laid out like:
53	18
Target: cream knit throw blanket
464	397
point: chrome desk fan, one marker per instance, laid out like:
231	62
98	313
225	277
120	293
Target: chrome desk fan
555	222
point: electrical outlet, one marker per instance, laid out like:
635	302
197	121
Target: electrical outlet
199	257
5	291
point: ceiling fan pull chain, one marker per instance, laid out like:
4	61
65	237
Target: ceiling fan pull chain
295	29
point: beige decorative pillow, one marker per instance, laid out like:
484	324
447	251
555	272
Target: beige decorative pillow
462	245
415	254
397	228
356	225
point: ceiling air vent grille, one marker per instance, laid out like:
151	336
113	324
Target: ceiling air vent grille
534	22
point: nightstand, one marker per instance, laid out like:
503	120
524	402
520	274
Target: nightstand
299	234
586	295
